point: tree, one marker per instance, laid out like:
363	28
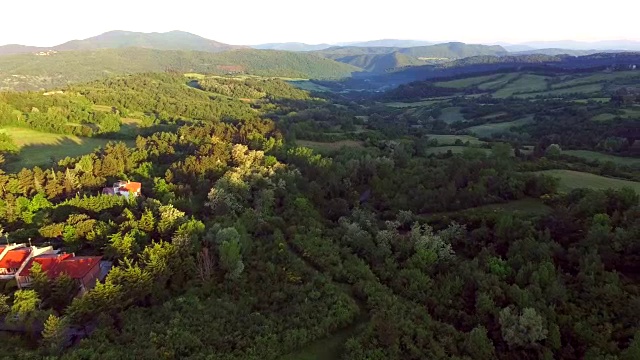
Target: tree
53	334
521	330
478	344
553	151
25	309
230	252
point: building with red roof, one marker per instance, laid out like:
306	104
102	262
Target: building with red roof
47	262
123	188
84	269
12	262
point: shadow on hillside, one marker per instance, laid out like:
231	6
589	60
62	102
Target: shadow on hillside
48	155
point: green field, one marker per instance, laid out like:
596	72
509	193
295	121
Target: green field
593	155
628	114
467	82
454	149
487	130
580	89
498	82
422	103
451	139
317	145
451	115
600	77
570	180
39	148
526	83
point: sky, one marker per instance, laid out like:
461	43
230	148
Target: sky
248	22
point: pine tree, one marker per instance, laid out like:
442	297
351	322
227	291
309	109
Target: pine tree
53	334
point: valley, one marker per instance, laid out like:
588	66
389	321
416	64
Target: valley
378	200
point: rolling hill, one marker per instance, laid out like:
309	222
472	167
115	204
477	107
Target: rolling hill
31	72
292	46
172	40
382	59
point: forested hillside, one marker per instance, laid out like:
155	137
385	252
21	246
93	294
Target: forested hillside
31	72
278	224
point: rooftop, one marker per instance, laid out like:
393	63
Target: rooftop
48	262
14	258
76	267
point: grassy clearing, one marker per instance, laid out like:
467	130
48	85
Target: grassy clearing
451	139
316	145
451	115
423	103
39	148
580	89
454	149
308	85
486	130
498	82
597	99
593	155
570	180
628	114
526	83
601	77
493	116
467	82
529	206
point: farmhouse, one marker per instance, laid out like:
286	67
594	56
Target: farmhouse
123	188
17	260
16	257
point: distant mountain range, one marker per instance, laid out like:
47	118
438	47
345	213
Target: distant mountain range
382	59
173	40
120	52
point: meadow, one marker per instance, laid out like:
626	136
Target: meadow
570	180
451	115
594	155
42	149
486	130
451	139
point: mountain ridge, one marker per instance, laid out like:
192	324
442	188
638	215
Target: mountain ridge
116	39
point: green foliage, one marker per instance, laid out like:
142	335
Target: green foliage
53	335
522	330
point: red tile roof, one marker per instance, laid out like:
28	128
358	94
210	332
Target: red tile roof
14	258
131	186
48	263
76	267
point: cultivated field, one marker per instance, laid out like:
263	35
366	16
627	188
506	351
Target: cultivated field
451	115
570	180
593	155
486	130
525	83
451	139
463	83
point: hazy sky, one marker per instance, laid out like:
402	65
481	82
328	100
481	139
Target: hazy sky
45	22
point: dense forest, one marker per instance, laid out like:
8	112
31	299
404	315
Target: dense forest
255	239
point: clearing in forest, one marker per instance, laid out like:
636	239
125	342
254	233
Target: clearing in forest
594	155
451	139
570	180
524	84
467	82
40	148
486	130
